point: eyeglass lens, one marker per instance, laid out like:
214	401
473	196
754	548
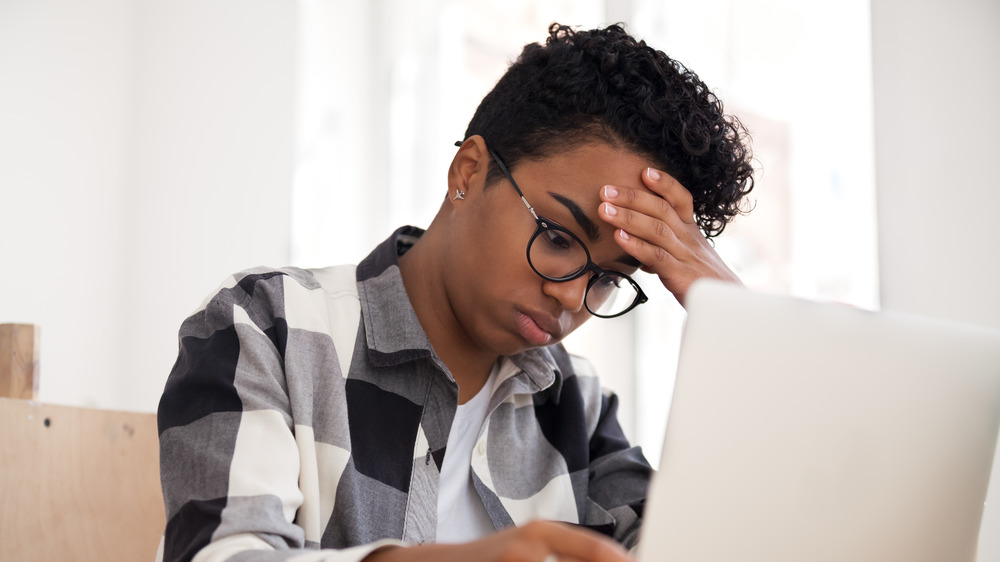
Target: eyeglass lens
559	256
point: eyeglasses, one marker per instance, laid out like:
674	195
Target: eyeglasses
556	254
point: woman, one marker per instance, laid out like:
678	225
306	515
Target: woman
420	406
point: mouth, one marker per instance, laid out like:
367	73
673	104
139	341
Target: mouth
532	329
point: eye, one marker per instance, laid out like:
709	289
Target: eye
557	240
609	281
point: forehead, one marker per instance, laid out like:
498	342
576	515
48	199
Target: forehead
581	168
554	185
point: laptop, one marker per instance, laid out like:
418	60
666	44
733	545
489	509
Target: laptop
807	431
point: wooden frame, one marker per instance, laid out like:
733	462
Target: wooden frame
77	483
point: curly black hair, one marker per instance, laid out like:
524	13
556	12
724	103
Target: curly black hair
602	84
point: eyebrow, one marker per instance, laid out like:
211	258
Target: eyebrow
588	226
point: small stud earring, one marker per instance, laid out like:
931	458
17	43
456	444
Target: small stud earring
458	195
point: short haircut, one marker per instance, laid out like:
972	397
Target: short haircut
604	85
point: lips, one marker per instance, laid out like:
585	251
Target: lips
534	329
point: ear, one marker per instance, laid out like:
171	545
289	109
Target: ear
467	173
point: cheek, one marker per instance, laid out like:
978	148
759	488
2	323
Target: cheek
504	254
495	259
493	256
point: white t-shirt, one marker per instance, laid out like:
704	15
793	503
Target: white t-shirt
462	516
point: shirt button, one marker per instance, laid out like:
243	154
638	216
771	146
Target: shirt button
482	448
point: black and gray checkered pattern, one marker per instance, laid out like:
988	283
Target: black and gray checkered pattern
307	411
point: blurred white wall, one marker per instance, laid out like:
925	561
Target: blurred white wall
936	69
937	113
210	167
145	153
65	132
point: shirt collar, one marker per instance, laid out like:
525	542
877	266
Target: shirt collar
393	333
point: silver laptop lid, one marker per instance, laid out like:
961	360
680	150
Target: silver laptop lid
805	431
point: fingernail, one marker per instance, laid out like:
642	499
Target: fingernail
610	209
623	234
653	174
610	192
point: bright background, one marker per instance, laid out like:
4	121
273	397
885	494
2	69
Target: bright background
150	148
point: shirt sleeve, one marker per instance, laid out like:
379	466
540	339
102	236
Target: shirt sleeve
619	474
229	459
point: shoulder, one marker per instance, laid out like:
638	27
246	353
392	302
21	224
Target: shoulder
285	292
264	283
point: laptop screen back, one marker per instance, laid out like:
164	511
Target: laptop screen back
805	431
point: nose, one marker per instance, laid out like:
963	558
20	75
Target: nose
570	294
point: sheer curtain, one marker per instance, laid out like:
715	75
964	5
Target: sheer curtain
386	87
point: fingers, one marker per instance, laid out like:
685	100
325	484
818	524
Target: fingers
548	541
659	215
642	217
569	543
538	541
667	187
666	197
657	226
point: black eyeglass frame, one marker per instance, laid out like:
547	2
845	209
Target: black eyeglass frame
543	225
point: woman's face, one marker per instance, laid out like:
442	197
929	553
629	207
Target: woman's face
500	302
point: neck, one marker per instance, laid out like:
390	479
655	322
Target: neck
424	271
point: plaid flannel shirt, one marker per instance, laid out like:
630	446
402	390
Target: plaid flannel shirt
308	411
